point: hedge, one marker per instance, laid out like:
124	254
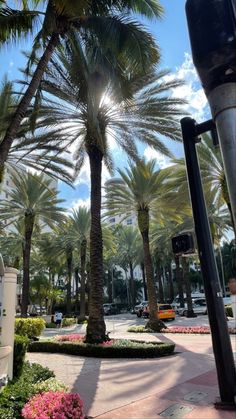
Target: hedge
20	348
121	349
30	327
229	311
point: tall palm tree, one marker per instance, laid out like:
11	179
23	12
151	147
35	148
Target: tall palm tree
213	176
36	204
142	108
105	23
141	188
80	236
128	240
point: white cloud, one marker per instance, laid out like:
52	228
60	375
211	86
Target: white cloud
162	161
81	202
192	91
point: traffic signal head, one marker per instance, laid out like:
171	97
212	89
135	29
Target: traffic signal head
183	244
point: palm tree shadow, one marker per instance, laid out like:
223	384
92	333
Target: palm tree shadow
86	383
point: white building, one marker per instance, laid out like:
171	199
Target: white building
125	220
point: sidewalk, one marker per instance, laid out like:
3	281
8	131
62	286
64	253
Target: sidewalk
184	383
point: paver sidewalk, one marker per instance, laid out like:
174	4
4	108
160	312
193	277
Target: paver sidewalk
184	383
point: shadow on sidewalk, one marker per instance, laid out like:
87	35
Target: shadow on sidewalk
86	384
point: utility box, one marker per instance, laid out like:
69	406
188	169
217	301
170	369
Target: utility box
212	31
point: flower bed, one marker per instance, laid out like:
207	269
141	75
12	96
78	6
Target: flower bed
203	330
54	404
24	397
115	348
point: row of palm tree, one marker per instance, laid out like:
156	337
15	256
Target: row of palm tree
92	49
142	188
92	76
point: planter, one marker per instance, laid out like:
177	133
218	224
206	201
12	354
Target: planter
232	286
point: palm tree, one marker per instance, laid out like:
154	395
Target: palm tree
80	236
139	192
101	22
213	176
34	203
80	114
128	240
44	158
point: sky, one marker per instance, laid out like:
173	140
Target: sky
171	34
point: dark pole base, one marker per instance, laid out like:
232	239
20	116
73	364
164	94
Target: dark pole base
219	405
191	314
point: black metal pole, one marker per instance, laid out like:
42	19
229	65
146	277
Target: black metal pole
215	306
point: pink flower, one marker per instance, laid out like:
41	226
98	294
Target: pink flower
54	405
193	329
70	338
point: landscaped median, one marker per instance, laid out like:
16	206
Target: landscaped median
197	330
113	348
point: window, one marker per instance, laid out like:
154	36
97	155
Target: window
129	222
112	220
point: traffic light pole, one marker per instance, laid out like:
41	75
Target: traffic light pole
215	306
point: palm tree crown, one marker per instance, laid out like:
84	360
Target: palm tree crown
35	204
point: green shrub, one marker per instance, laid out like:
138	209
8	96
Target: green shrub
229	311
30	327
20	348
139	329
51	384
68	321
50	325
18	392
120	349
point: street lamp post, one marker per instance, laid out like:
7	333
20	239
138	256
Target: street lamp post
212	31
215	307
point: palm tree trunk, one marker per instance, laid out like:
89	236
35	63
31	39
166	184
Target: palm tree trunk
143	223
82	280
179	281
96	329
29	226
144	281
185	265
24	103
160	284
109	285
76	288
69	259
171	284
131	271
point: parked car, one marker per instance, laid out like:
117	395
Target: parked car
138	309
197	309
199	301
165	312
110	308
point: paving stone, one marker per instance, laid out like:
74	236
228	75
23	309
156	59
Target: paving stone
195	396
176	411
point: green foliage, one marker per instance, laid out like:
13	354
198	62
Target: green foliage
119	349
139	329
229	311
29	327
68	322
17	393
51	384
20	348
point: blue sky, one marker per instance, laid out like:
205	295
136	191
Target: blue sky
172	36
